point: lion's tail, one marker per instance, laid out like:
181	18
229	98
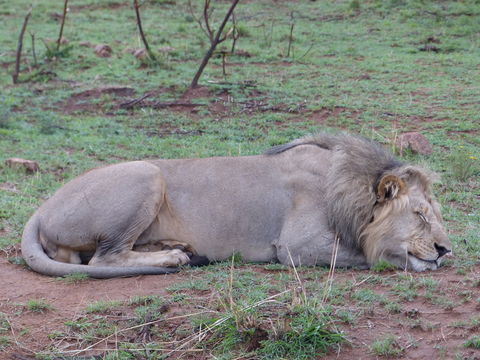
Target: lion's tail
38	260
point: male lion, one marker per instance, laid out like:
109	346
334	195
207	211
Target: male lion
289	204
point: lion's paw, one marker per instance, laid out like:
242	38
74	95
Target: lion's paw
176	258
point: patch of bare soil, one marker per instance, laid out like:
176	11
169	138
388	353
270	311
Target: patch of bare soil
90	101
328	116
423	328
111	5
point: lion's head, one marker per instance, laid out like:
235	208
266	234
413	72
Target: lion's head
383	206
406	226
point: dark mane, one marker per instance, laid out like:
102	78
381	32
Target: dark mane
357	166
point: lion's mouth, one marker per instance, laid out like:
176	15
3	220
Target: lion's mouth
436	261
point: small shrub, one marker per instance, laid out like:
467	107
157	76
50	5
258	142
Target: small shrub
101	306
387	346
473	342
393	307
4	342
17	260
38	305
308	336
462	165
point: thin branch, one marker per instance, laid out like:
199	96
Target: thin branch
235	33
60	35
197	19
130	104
19	47
140	29
34	54
290	38
213	45
206	15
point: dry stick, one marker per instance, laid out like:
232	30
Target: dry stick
197	19
19	47
79	351
32	35
331	272
235	34
213	45
60	35
206	15
290	38
140	29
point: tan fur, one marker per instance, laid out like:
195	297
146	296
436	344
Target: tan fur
286	205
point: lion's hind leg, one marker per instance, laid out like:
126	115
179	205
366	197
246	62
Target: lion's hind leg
163	258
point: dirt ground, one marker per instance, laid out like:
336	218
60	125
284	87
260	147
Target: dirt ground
423	329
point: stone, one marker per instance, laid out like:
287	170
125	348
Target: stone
29	165
414	141
103	50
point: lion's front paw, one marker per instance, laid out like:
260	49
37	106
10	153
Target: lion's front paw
176	258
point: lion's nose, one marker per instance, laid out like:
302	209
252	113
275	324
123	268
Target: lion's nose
442	250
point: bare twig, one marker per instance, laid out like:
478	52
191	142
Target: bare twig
331	272
60	35
130	104
197	19
224	55
34	54
158	105
19	47
206	16
290	38
140	29
235	33
213	45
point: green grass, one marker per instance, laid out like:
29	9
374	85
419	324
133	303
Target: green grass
473	342
38	305
74	278
354	65
101	306
386	346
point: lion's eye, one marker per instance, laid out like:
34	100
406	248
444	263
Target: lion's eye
422	216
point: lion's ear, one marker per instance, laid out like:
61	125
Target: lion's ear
390	187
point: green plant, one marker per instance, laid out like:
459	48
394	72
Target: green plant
52	52
387	346
472	342
382	266
4	323
101	306
17	260
393	307
463	165
74	278
38	305
4	342
308	335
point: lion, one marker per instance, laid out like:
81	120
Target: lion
294	204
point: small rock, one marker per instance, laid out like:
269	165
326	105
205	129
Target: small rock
29	165
415	142
128	51
85	44
140	54
103	50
